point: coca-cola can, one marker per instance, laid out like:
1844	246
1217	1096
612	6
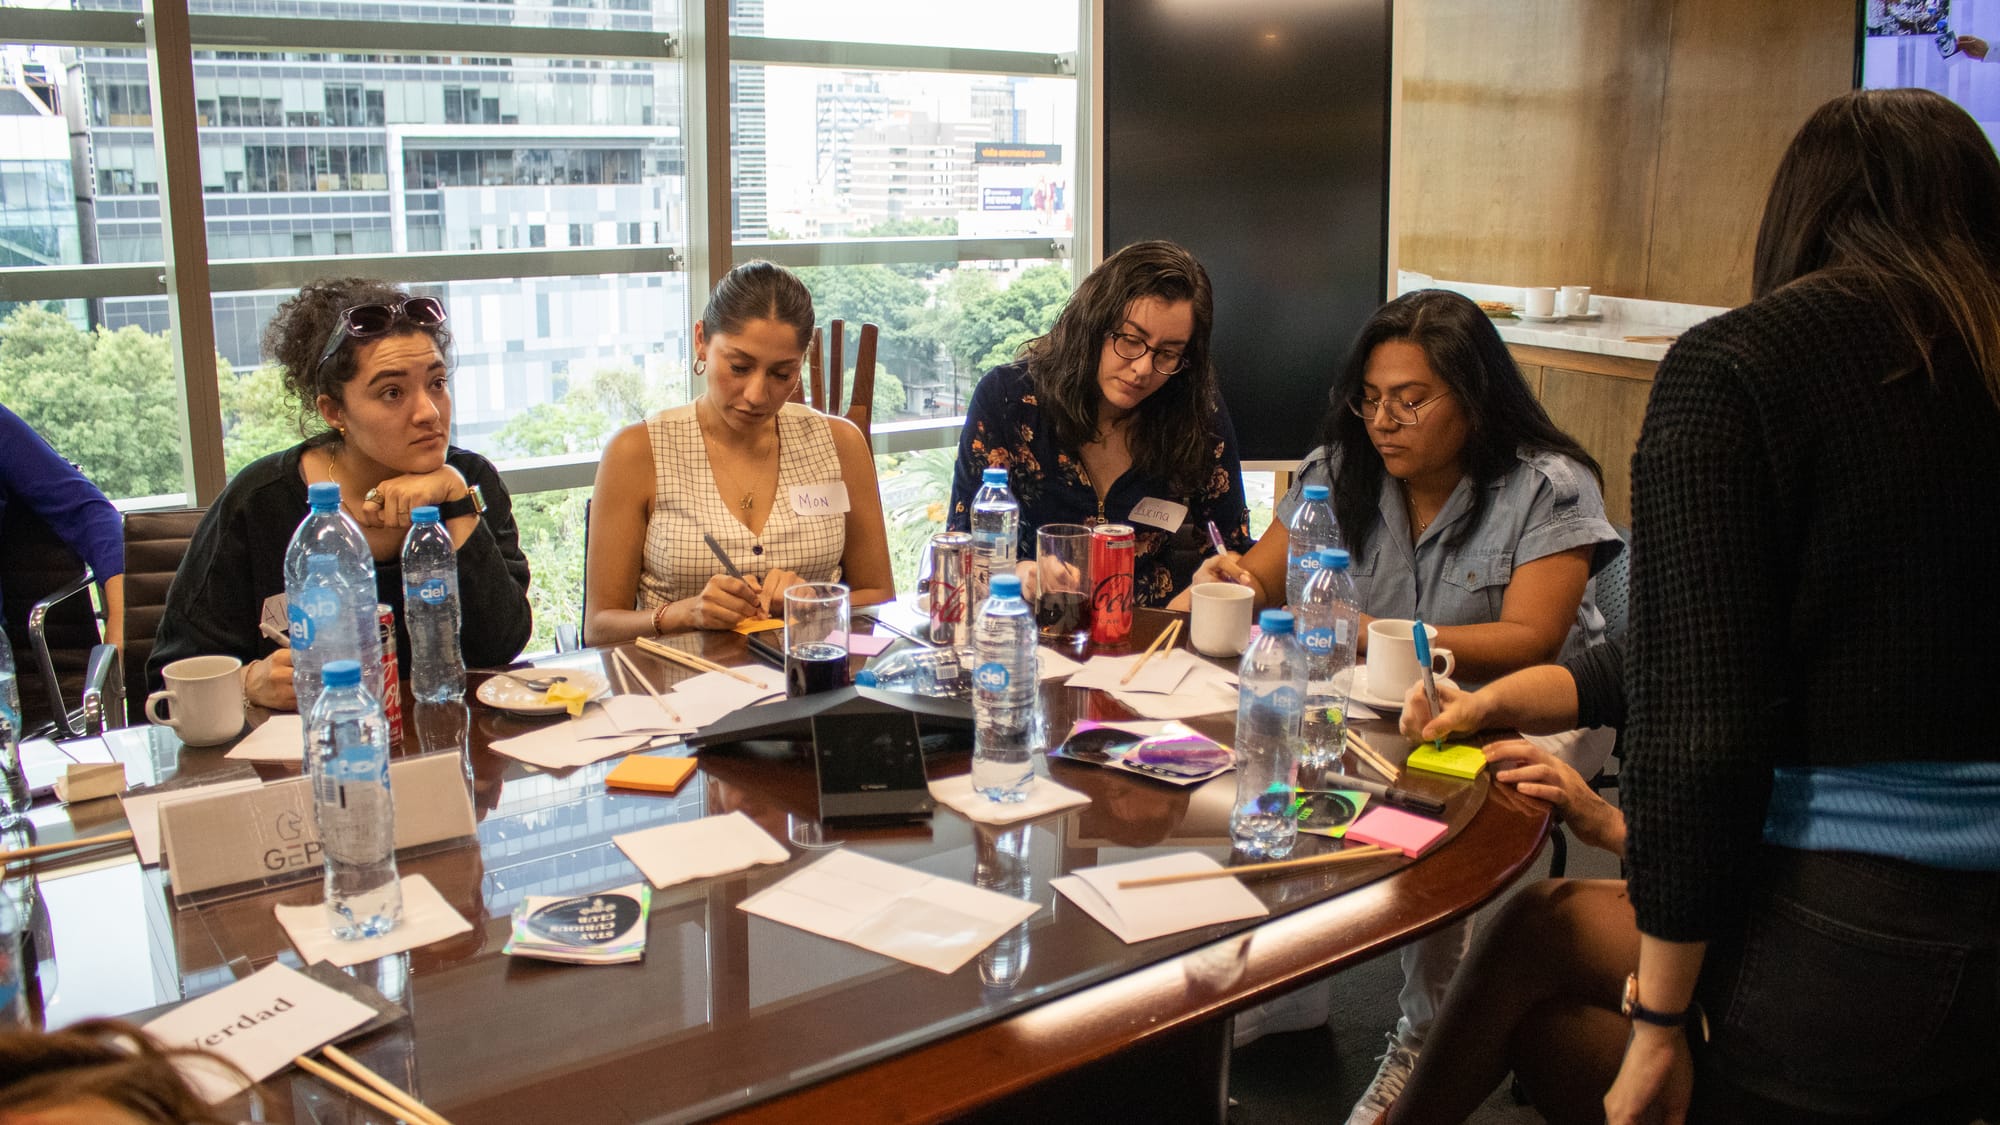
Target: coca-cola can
1111	549
391	686
951	569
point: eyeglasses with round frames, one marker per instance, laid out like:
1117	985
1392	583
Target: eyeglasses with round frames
1166	361
363	322
1401	413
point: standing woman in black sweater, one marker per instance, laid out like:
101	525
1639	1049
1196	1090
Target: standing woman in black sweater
369	367
1811	782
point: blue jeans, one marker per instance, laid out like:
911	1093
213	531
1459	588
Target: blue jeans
1857	988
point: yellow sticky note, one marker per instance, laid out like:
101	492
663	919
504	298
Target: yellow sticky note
1455	760
572	698
760	625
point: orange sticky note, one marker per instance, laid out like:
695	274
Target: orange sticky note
659	775
760	625
1393	828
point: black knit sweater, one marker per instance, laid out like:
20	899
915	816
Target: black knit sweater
1815	521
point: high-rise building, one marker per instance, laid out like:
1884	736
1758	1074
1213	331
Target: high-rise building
38	223
750	201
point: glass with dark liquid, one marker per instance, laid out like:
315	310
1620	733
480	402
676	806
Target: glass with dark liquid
1062	576
816	619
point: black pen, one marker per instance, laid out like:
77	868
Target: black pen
1415	802
722	556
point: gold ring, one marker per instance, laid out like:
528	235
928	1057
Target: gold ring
374	496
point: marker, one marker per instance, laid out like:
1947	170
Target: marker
1430	681
1415	802
1215	537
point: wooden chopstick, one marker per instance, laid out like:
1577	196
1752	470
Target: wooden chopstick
1369	757
1165	641
341	1082
632	670
424	1114
65	846
1368	851
690	660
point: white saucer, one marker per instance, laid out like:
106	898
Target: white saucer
509	694
1533	319
1355	681
1599	315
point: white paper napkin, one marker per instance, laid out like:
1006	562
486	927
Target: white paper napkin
1144	913
1043	797
703	699
427	917
696	849
1054	665
1162	675
574	742
281	738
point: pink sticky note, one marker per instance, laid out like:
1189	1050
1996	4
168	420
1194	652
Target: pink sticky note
1393	828
866	644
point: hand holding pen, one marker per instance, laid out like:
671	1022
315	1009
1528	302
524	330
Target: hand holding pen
1225	566
730	597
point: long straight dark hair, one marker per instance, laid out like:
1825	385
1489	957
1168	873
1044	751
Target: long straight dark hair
1463	349
1896	194
1165	436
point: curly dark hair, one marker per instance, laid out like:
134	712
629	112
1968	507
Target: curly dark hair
300	328
103	1060
1165	435
1465	350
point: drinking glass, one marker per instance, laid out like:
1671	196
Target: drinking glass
1062	573
816	618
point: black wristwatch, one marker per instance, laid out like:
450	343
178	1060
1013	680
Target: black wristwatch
470	504
1637	1011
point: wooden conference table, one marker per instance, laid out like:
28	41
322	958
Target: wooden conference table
732	1015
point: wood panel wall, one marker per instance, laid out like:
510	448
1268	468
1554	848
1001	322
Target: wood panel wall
1621	144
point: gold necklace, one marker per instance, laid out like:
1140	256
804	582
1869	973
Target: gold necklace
729	482
1410	501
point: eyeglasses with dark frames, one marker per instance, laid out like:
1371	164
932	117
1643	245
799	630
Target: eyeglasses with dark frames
1166	361
364	322
1401	413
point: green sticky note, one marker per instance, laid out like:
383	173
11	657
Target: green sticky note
1455	760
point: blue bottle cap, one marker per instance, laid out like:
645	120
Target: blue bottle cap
994	476
867	678
1274	622
425	514
341	673
1316	492
1333	558
323	495
1006	586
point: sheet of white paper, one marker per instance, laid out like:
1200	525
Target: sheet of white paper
1199	694
281	738
1054	665
1162	675
43	761
142	812
705	698
938	924
427	917
260	1023
1043	797
642	714
1149	912
572	742
696	849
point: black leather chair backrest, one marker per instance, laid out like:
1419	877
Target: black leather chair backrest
34	563
155	544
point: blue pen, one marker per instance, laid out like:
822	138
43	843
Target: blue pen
1418	634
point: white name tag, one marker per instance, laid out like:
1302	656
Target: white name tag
828	498
1163	514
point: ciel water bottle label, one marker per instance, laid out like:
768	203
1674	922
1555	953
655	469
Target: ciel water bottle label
1308	562
302	627
1286	698
991	676
431	591
1317	641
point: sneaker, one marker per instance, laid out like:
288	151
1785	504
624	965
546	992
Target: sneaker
1390	1077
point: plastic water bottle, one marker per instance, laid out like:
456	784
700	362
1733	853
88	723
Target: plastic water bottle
1271	695
330	593
347	741
13	782
996	532
430	609
1328	619
1311	530
919	671
1005	690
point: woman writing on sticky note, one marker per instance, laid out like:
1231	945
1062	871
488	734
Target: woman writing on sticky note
1113	417
787	493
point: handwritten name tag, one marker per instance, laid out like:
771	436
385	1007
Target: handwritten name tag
828	498
1163	514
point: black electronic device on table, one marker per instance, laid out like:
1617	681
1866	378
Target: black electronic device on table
792	718
870	766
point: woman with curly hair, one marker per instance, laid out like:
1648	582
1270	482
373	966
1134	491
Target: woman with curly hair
104	1072
368	366
1113	416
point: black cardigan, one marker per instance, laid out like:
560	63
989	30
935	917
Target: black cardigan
1815	520
237	559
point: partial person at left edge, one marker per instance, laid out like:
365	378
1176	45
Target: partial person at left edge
368	365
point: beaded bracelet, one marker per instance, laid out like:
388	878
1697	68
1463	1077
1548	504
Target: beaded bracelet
660	629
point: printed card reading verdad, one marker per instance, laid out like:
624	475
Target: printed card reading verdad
260	1023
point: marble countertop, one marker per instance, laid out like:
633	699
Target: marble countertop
1618	317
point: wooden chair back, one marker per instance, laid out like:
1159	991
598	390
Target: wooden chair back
825	374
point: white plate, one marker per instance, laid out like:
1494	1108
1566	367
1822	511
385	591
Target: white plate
1356	684
510	694
1533	319
1598	315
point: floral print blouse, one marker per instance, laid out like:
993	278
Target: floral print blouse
1003	429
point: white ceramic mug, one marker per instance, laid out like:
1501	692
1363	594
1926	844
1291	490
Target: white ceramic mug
1539	300
206	693
1575	300
1392	657
1219	618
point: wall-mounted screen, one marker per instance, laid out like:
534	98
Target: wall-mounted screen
1937	45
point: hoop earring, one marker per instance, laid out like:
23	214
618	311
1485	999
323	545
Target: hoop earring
701	369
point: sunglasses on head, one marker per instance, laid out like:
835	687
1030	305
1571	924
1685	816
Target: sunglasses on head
361	322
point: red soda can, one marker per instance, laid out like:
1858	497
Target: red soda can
1111	548
391	687
951	571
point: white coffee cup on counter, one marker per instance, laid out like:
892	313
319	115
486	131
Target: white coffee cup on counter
1219	618
1576	300
1539	300
205	697
1392	657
